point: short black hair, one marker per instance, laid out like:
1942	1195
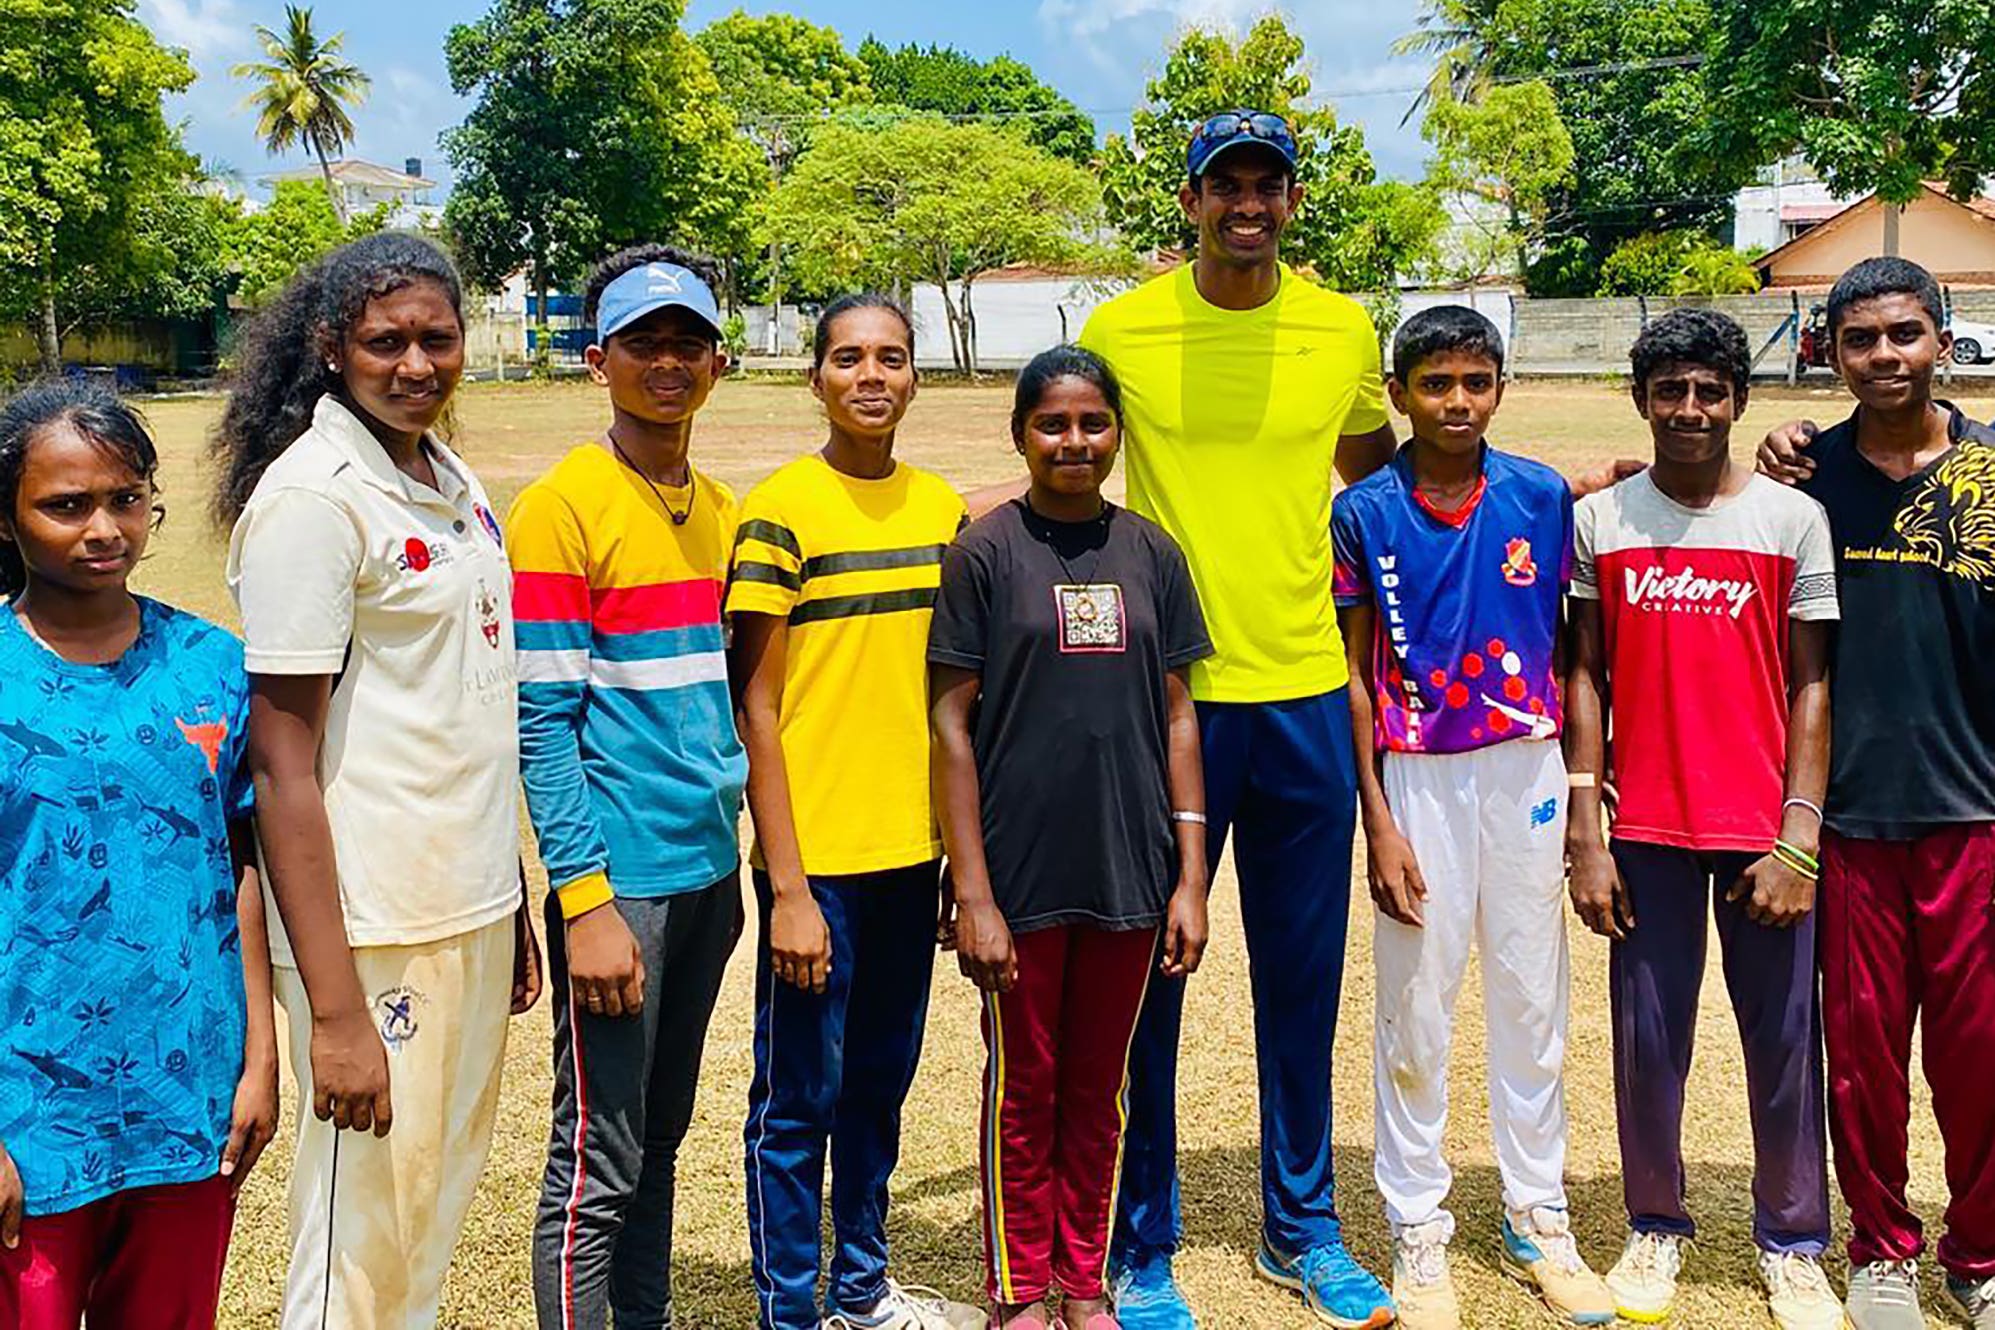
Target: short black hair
1701	337
1065	361
820	340
1886	277
1442	329
621	262
93	411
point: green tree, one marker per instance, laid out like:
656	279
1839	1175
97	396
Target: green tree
1878	97
1459	35
1630	95
1712	269
598	124
263	248
1357	234
87	159
780	75
302	86
1508	150
925	200
944	80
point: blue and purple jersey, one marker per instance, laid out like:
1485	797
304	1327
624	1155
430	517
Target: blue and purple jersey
1468	602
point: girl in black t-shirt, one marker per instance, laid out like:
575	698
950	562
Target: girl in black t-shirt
1071	800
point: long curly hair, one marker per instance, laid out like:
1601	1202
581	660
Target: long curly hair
282	371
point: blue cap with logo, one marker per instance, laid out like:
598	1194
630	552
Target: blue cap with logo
1230	129
652	287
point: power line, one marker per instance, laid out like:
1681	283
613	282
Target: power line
1331	95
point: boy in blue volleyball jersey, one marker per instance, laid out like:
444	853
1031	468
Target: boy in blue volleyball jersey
1450	570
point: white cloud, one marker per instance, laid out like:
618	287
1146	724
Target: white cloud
210	31
1112	46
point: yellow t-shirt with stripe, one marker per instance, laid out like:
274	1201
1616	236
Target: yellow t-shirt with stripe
1230	426
853	565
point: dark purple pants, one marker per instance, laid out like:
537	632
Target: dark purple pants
1654	979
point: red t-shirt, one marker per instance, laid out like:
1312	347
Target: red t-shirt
1695	604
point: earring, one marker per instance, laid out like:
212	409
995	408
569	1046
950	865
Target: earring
331	368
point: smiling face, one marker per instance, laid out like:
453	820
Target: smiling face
866	378
1690	410
1887	350
81	515
401	359
1070	438
660	368
1449	399
1242	204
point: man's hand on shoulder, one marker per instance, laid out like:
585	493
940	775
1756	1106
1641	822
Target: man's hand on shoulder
1783	455
1604	475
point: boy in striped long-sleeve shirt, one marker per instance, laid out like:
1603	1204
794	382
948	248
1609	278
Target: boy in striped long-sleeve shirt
633	776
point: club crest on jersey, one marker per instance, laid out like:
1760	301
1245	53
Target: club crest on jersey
1518	567
490	523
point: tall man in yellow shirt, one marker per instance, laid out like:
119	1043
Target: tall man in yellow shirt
1244	385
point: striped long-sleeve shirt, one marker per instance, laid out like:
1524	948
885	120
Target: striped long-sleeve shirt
628	751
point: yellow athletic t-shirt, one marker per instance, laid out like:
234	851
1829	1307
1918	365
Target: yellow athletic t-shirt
854	566
1230	423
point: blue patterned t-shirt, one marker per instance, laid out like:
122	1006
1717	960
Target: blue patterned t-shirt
121	989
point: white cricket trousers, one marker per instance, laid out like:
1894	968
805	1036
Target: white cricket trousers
1488	831
375	1219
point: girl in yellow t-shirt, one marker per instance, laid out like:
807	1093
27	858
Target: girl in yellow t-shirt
834	581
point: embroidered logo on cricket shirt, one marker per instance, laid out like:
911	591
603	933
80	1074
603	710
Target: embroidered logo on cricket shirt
1091	618
419	556
1543	814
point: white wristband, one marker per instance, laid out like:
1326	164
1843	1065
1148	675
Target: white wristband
1181	815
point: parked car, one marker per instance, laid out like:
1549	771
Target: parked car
1973	343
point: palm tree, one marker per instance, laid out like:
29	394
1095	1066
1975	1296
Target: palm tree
1459	35
301	88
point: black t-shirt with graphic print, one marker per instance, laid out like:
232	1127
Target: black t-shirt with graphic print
1912	688
1073	628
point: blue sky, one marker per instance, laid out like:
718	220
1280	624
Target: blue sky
1097	52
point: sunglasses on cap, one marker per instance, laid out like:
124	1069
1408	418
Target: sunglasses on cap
1261	124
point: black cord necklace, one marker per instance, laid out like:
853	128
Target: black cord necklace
692	484
1050	532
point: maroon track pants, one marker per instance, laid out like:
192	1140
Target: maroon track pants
145	1259
1054	1083
1908	931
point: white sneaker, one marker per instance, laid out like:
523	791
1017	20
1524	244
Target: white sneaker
1643	1281
908	1307
1798	1292
1884	1295
1423	1291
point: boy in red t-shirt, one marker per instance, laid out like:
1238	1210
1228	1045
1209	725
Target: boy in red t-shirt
1703	599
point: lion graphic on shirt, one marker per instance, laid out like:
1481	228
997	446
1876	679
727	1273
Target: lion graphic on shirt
1950	521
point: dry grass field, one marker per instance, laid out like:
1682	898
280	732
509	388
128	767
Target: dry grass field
510	433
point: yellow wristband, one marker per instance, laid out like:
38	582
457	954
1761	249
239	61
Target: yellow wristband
585	894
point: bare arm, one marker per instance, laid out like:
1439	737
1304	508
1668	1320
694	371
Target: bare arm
984	949
287	718
981	501
1185	927
1396	885
799	943
1598	893
1777	895
1358	455
253	1119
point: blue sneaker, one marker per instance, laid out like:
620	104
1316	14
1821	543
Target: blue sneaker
1336	1289
1146	1296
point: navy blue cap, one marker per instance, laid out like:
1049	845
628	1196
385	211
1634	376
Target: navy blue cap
654	286
1230	129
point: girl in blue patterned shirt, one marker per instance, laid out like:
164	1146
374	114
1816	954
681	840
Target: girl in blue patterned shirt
138	1063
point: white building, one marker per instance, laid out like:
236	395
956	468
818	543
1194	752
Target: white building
1786	202
364	186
